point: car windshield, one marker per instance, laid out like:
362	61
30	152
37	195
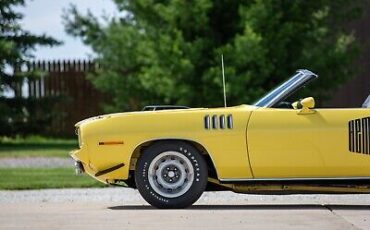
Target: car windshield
286	88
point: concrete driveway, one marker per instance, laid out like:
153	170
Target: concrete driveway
116	208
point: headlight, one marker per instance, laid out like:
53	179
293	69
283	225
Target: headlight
77	130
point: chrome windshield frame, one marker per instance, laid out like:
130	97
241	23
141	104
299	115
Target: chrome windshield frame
297	81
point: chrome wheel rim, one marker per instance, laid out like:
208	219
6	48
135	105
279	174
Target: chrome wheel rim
171	174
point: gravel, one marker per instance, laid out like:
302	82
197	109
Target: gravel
36	162
132	197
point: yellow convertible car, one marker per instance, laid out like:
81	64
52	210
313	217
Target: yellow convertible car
173	154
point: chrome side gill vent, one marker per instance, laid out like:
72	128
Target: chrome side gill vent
218	122
229	121
222	122
214	122
207	122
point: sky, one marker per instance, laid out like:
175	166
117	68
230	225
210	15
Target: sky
45	16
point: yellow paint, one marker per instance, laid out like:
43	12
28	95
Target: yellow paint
227	147
283	144
263	143
308	102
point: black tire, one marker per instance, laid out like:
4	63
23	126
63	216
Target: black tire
176	156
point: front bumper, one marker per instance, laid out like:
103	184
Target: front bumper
82	164
81	161
105	173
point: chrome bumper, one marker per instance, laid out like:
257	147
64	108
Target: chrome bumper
79	168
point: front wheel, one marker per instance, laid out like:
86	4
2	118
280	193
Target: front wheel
171	175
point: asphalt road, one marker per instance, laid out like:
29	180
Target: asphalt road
124	209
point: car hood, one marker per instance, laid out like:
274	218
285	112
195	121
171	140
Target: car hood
91	119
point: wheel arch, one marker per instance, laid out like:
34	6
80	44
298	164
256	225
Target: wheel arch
145	144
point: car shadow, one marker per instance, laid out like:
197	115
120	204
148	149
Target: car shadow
252	207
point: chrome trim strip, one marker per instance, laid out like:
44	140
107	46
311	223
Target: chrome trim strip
301	81
301	77
293	179
306	72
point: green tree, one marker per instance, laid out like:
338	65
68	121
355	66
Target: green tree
168	51
16	46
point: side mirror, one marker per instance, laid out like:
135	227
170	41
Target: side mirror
306	105
308	102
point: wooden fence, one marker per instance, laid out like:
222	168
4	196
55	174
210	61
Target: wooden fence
66	82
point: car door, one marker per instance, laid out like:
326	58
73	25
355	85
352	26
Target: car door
326	143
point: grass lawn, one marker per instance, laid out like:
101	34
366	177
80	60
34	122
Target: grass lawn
40	178
36	146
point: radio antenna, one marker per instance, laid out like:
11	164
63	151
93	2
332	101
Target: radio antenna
223	78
